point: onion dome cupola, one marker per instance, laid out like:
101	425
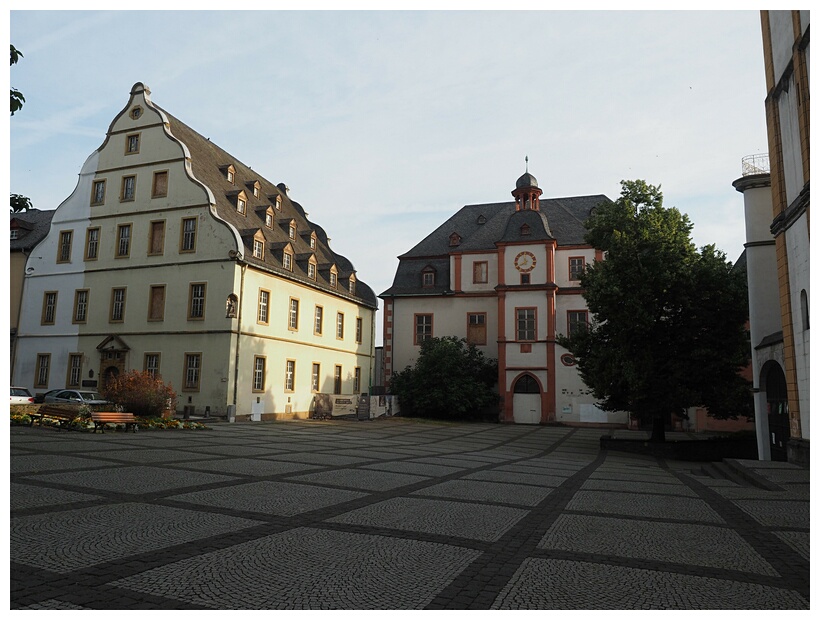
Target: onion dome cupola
526	191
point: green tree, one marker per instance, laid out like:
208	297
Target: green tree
17	98
18	201
668	328
450	380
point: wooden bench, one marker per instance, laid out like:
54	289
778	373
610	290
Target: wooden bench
65	415
101	418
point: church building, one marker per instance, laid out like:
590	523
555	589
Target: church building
506	277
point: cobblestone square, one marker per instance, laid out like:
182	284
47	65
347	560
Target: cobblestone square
393	514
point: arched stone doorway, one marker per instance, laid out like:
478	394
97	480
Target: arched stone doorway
777	409
526	400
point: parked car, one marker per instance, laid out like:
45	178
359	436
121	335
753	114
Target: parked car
21	396
76	397
39	397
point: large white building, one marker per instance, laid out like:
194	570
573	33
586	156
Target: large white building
505	276
173	256
777	208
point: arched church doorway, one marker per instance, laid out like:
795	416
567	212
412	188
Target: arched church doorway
777	407
526	400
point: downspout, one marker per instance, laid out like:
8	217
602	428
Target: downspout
242	267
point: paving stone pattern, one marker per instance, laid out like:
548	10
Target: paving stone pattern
393	514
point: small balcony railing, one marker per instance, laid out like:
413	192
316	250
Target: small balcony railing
756	164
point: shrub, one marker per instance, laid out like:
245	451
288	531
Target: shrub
140	393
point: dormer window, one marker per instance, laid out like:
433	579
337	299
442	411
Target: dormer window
455	239
255	188
428	277
333	279
287	261
269	220
313	241
481	219
230	173
292	231
278	203
351	286
241	202
258	248
311	271
525	229
14	232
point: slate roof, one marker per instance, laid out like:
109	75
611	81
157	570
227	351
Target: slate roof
480	227
32	227
208	161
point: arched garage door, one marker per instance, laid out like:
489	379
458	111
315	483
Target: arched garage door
526	401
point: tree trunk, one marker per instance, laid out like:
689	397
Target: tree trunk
658	427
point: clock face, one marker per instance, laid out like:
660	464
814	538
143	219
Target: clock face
525	262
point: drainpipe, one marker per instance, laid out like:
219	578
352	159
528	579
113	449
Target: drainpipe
242	267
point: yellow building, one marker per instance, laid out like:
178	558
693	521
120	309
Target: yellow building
174	257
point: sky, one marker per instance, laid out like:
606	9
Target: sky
384	124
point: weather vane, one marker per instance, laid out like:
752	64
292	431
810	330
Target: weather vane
526	163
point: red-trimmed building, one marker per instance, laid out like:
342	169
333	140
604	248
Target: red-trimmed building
505	276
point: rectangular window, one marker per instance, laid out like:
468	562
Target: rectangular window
428	278
314	377
151	364
75	369
98	192
480	272
129	186
358	330
311	271
287	261
576	321
332	280
290	375
123	240
42	369
196	301
187	242
117	313
156	238
241	205
92	243
357	380
258	248
576	267
293	314
525	278
132	143
318	319
424	327
193	369
262	308
258	374
340	326
156	303
49	308
337	379
292	232
64	252
159	188
80	306
477	328
525	324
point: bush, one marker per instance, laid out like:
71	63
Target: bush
451	380
140	393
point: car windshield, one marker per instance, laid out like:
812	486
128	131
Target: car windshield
90	396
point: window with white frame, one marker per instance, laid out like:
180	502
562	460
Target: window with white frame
340	325
290	375
262	310
318	319
293	314
258	373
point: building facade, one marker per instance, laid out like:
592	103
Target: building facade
174	257
786	65
27	229
506	277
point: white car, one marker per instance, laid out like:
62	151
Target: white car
21	396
